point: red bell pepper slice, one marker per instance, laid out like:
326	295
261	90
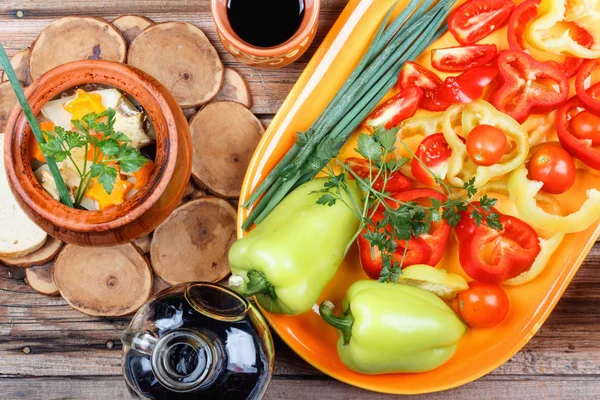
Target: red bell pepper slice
467	86
438	235
412	74
417	251
400	107
434	151
588	98
396	182
462	58
493	256
476	19
523	89
580	148
523	15
466	227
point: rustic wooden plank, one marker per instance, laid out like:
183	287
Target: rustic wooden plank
492	388
268	87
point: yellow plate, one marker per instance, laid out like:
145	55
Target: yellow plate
481	350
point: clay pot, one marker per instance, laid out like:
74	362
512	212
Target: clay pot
267	57
135	217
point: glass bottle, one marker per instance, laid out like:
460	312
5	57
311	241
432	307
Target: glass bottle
198	341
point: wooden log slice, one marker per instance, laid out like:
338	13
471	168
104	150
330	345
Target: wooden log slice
8	100
20	63
144	243
235	88
103	281
131	26
224	136
159	285
182	58
192	244
76	38
41	256
41	279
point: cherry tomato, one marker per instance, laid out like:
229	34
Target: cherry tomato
462	58
476	19
435	153
586	125
486	145
554	167
467	86
412	74
396	182
483	305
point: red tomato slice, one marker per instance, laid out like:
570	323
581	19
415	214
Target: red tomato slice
431	102
467	86
396	182
412	74
462	58
397	109
435	153
476	19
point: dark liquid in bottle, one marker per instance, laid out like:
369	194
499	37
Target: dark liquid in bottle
265	23
244	363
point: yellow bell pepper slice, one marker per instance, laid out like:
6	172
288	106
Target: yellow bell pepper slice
523	192
424	124
550	31
461	119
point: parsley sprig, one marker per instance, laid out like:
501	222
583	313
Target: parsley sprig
401	221
95	132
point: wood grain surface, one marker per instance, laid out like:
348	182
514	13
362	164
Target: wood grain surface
50	351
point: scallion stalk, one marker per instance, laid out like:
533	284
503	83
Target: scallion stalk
63	193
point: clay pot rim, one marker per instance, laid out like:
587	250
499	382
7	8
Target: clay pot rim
311	16
28	190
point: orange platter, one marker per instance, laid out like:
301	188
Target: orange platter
480	350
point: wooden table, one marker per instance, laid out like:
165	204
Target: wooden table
49	351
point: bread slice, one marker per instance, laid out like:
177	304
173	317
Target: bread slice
19	236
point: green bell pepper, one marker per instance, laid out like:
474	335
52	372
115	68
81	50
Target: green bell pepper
287	259
388	328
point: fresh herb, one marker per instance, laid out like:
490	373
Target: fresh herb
403	39
95	134
401	221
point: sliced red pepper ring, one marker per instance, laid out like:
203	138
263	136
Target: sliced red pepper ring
466	227
400	107
476	19
412	74
523	86
417	251
438	235
467	86
434	151
587	97
494	256
577	147
396	181
462	58
523	15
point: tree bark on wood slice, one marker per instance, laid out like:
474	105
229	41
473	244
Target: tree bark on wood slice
8	99
159	285
41	256
224	136
131	26
235	88
189	112
192	244
103	281
182	58
20	63
144	243
41	279
12	272
76	38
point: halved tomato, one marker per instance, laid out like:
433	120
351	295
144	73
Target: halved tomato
435	153
462	58
476	19
412	74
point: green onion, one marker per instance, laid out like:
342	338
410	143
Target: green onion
406	37
63	193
